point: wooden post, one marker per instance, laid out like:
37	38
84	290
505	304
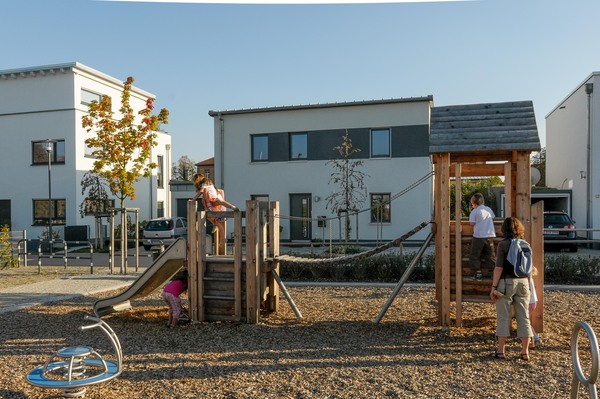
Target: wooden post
442	237
237	263
537	245
201	261
458	243
192	256
273	296
252	271
523	191
508	190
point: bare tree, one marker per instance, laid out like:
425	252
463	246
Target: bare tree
351	193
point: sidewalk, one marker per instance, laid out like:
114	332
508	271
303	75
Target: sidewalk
24	296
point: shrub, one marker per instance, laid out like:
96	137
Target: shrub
6	249
389	267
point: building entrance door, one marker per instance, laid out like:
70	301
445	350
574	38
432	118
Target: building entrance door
300	229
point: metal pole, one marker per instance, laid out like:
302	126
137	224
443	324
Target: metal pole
49	151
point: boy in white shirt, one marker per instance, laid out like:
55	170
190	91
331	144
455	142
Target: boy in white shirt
482	245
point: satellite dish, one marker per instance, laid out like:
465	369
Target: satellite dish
536	175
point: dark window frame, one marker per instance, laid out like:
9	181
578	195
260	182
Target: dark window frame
160	171
59	214
386	212
300	155
254	139
373	137
39	155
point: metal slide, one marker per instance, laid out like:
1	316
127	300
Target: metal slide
163	268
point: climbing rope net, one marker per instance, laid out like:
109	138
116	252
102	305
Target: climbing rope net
288	259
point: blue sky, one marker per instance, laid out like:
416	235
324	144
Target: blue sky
197	57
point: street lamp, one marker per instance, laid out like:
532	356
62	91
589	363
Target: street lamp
49	147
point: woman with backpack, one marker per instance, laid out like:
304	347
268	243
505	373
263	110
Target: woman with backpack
514	291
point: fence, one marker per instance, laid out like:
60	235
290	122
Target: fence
65	254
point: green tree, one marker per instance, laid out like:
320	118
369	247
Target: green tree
122	147
470	187
351	193
183	169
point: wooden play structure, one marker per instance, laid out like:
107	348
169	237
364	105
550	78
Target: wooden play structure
234	287
481	140
237	286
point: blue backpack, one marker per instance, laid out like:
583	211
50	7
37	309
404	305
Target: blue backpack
519	255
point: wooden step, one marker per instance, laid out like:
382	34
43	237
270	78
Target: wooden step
219	297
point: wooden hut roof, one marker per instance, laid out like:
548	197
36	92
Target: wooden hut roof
480	128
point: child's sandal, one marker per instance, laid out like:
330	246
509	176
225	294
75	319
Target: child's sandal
525	356
499	355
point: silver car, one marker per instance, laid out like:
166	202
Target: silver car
164	231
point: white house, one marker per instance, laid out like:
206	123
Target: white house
573	151
282	153
48	102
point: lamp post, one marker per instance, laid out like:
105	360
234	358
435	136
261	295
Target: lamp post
49	145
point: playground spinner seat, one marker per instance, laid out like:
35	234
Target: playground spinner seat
73	368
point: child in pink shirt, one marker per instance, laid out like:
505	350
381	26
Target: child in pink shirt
172	295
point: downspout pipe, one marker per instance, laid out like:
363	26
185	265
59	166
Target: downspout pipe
589	89
222	151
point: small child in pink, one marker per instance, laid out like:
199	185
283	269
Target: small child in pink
172	295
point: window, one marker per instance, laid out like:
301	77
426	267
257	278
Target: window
380	143
298	146
40	212
98	206
260	148
380	208
160	177
39	152
206	173
160	209
88	96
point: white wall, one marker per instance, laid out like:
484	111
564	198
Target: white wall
567	150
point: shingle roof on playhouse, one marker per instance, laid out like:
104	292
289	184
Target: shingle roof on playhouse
484	127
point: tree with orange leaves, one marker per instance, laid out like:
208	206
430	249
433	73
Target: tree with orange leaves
122	147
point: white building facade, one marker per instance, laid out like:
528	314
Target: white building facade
48	102
573	151
282	154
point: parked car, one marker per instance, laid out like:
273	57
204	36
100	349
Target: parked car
164	231
559	220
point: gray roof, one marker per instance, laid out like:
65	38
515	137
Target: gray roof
323	105
488	127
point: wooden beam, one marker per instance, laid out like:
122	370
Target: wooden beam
478	169
444	234
537	245
273	297
252	269
508	190
192	257
458	242
237	264
523	191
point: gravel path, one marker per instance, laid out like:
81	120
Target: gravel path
335	352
